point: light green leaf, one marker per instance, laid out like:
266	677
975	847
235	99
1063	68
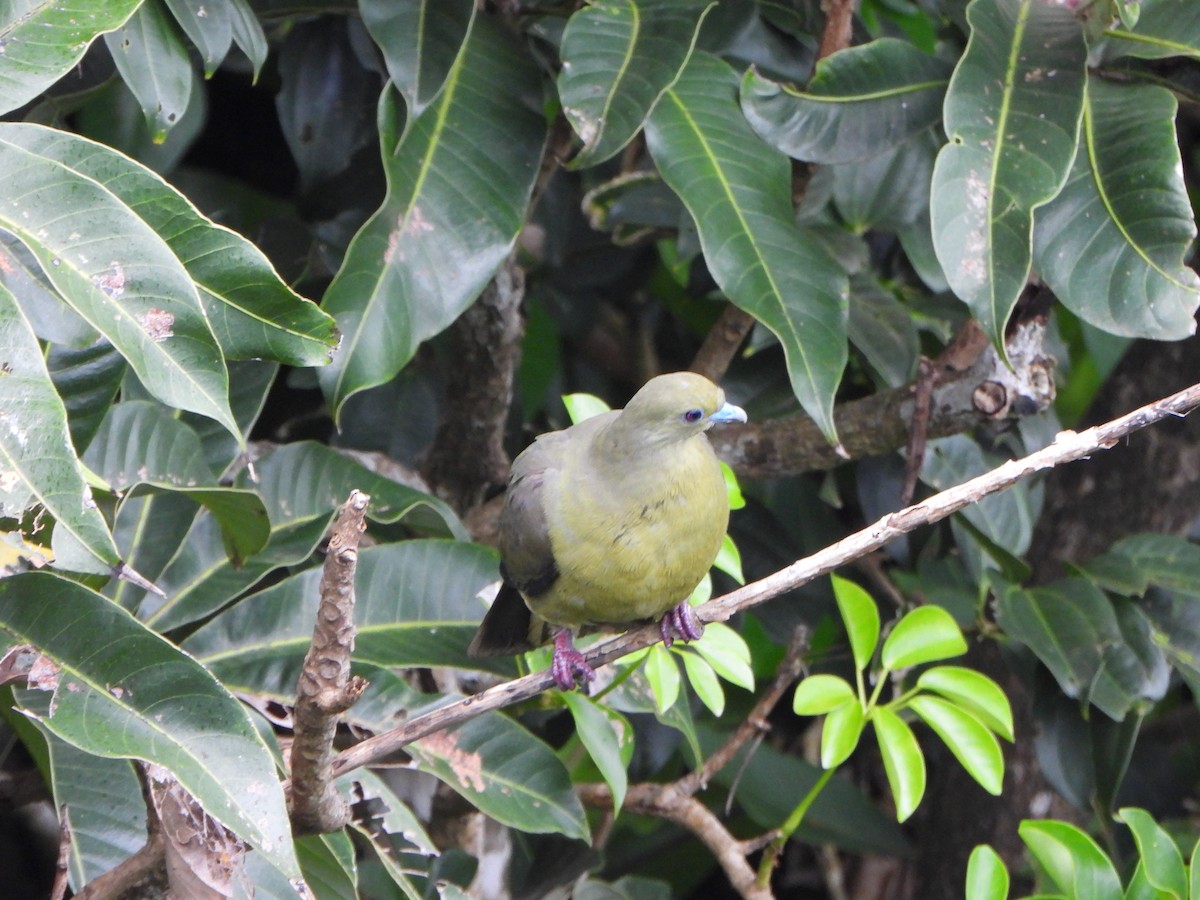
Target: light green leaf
861	618
581	407
738	191
124	692
1073	860
727	652
37	461
860	102
40	42
114	270
973	691
819	694
924	634
729	560
459	180
420	40
903	762
1012	114
987	876
736	500
840	733
1112	244
618	56
971	742
704	681
1160	855
154	63
506	773
604	732
663	674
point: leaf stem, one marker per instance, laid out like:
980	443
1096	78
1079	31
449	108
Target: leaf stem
788	828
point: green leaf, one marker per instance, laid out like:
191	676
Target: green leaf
209	26
52	319
86	380
329	865
1099	649
1072	859
141	445
581	407
253	313
840	733
738	191
459	180
974	692
122	691
727	652
987	876
1160	855
819	694
114	270
506	773
860	102
248	34
154	63
1012	114
1132	224
888	191
971	742
729	560
1166	560
663	674
704	681
883	331
861	617
415	605
618	56
903	762
1194	871
39	464
420	40
40	42
1164	29
604	732
924	634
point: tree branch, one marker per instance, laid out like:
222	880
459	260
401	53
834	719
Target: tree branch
1067	447
326	688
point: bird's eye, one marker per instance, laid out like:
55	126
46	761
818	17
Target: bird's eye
693	415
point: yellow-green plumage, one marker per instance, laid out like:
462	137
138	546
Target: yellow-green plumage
614	520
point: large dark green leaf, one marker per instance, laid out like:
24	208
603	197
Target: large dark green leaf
1112	243
52	319
86	380
416	606
459	180
113	269
40	42
38	463
252	312
209	26
419	40
1012	114
150	55
506	772
1164	28
121	691
888	191
738	191
861	101
1098	650
618	56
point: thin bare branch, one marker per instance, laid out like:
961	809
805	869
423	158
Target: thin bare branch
1067	447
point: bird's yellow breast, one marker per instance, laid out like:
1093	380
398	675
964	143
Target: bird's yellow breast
632	541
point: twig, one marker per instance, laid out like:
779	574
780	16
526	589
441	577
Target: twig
919	430
62	866
326	688
145	871
1067	447
839	17
721	343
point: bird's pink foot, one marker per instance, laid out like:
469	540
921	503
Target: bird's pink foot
568	663
682	621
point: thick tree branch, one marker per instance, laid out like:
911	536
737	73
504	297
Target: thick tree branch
1067	447
972	386
326	688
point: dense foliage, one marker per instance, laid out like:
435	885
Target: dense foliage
255	254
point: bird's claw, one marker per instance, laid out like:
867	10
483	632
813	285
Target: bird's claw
568	663
682	621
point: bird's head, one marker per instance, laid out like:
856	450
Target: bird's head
677	406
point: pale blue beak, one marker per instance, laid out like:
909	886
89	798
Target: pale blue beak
728	413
